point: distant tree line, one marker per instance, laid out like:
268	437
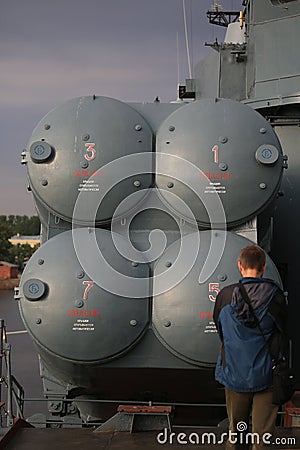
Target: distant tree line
23	225
10	226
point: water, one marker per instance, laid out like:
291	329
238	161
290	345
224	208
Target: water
24	357
9	311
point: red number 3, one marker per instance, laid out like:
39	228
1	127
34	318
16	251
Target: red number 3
90	149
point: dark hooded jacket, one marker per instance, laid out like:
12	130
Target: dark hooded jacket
245	363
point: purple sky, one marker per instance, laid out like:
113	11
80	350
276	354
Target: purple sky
54	50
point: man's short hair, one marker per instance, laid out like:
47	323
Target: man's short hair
252	257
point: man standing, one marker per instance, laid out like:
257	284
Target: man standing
244	365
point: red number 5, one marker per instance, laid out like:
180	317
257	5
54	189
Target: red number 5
213	287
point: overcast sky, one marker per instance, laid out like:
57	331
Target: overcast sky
54	50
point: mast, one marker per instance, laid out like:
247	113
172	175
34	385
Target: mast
217	16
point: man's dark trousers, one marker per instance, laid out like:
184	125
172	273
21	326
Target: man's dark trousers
239	406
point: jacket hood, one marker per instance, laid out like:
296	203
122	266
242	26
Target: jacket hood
260	292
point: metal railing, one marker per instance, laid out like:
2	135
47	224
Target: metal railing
14	391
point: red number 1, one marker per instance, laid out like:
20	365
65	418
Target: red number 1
215	149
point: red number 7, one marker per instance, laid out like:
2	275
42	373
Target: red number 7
88	284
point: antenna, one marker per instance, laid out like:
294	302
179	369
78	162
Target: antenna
186	39
216	6
217	16
178	62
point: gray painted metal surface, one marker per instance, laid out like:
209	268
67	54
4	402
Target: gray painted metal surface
75	141
74	318
269	82
286	242
236	152
273	56
95	340
135	422
89	324
182	316
265	71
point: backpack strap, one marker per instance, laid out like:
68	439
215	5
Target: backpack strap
247	300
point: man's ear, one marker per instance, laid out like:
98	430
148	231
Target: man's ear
240	265
241	268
